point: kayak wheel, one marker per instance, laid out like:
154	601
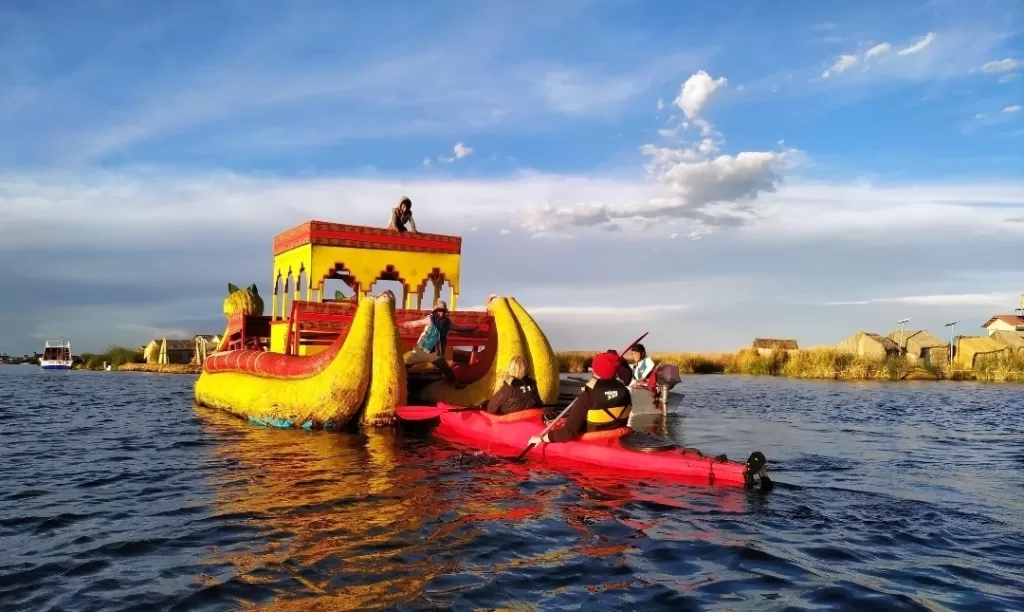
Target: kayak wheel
646	443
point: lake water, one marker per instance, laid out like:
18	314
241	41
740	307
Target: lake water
118	494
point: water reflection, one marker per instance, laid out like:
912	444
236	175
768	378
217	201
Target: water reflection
342	518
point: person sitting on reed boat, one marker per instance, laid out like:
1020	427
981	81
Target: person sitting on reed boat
517	392
643	366
434	340
401	216
604	403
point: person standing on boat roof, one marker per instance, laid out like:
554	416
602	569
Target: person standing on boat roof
642	366
401	216
604	403
434	340
517	392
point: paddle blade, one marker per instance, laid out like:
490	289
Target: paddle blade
425	413
631	344
420	413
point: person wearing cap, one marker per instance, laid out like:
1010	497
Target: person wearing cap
434	340
401	216
604	403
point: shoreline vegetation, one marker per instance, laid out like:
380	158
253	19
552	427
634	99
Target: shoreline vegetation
820	364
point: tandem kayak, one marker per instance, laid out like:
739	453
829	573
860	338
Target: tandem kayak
620	449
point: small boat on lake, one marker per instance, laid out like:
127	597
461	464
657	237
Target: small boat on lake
56	355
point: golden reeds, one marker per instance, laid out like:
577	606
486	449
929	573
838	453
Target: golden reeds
820	363
161	368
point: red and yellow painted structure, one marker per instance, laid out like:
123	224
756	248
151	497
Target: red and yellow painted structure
318	362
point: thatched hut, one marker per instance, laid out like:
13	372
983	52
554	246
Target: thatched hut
766	346
868	344
970	348
921	345
162	350
1013	341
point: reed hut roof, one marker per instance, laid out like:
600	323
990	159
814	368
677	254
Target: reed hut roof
1009	339
173	345
775	343
918	338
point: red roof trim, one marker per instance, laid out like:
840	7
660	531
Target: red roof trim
359	236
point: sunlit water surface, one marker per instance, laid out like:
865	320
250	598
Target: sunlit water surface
118	494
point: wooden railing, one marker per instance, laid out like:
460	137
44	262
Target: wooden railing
320	324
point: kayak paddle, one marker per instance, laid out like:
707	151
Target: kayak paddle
529	447
425	413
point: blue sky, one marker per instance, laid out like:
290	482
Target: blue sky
803	172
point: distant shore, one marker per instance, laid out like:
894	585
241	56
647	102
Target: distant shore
821	364
160	368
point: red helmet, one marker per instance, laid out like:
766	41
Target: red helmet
605	365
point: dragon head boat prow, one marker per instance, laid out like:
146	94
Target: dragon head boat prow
315	361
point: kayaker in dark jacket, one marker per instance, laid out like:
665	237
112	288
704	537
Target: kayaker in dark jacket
517	392
604	403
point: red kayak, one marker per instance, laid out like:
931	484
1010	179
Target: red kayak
618	449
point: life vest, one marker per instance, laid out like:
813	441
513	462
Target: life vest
611	405
435	334
643	369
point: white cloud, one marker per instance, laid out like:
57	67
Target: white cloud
879	49
919	45
104	208
661	104
999	66
426	161
844	63
1006	78
952	299
505	231
460	151
604	313
696	92
580	92
1012	108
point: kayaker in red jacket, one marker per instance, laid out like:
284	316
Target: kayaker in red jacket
604	403
517	392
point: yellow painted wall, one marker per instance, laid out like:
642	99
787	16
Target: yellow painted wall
278	336
366	265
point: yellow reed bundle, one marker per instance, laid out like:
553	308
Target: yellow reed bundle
388	377
541	359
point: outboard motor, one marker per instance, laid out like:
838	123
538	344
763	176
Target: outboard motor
663	379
